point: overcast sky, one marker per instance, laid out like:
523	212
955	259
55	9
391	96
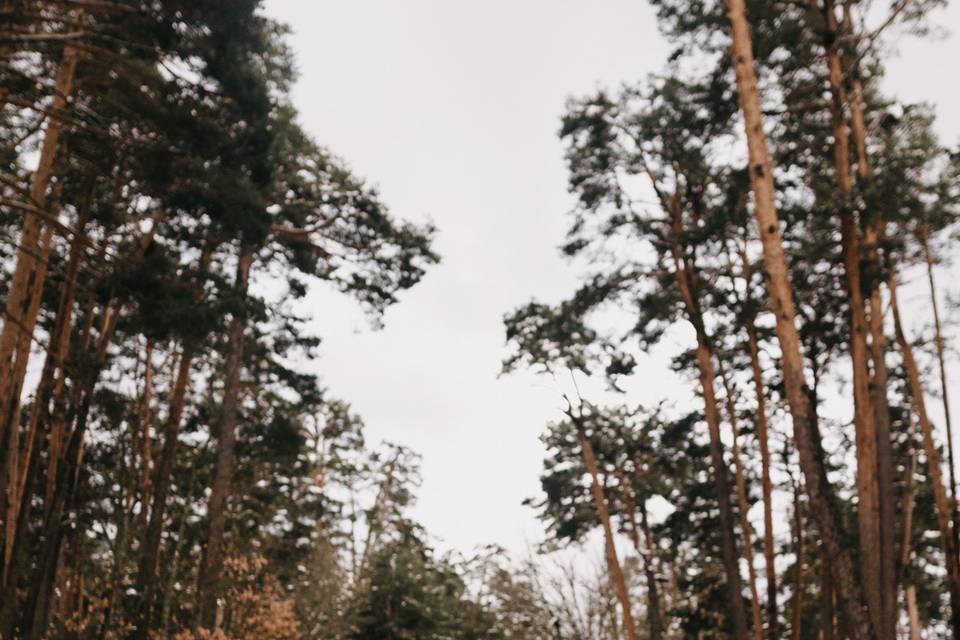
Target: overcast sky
451	107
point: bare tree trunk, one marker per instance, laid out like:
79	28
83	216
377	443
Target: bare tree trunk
823	502
764	437
211	568
616	572
942	363
913	612
941	501
744	503
796	627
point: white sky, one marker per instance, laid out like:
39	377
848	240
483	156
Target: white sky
452	108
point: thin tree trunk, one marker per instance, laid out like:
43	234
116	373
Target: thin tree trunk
913	613
822	500
796	626
211	568
941	501
942	363
744	503
763	435
150	551
769	554
146	453
616	572
686	278
654	616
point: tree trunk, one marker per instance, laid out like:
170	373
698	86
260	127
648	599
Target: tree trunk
796	626
942	364
864	418
53	364
769	554
654	616
822	500
879	381
913	612
744	503
616	572
941	501
759	388
686	277
150	552
211	568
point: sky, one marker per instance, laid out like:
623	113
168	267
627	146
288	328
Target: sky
451	108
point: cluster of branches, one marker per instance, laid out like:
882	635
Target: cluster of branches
162	451
781	270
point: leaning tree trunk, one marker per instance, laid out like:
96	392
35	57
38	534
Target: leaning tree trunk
211	569
942	364
30	270
940	499
616	572
823	502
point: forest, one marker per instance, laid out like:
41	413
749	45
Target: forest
174	466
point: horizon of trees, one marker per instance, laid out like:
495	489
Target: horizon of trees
172	467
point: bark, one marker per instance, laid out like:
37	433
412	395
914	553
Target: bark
616	572
823	502
744	504
941	501
913	613
211	569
